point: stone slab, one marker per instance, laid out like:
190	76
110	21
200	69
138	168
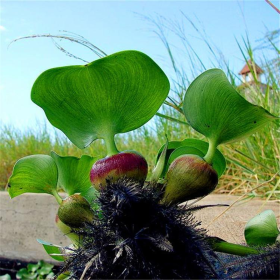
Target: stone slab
31	216
25	218
228	223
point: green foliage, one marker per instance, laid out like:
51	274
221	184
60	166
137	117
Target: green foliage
41	270
91	195
120	93
5	277
46	174
255	167
262	229
250	163
73	172
52	250
36	174
192	146
215	109
101	99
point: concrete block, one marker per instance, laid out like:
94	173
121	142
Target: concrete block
230	225
25	218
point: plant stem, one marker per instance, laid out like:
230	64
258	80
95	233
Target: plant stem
57	197
111	146
211	151
231	248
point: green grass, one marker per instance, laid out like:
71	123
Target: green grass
252	165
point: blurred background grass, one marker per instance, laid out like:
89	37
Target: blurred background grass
252	164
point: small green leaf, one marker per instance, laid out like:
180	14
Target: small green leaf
21	272
64	276
111	95
215	109
194	146
45	270
184	150
46	266
25	275
262	229
32	267
5	277
52	249
73	173
66	230
91	196
172	145
33	174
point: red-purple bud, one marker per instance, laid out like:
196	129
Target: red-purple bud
128	164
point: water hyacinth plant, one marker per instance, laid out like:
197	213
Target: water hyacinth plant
120	224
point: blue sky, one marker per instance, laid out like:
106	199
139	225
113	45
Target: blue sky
112	26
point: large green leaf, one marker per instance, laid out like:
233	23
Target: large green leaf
33	174
111	95
262	229
192	146
73	172
215	109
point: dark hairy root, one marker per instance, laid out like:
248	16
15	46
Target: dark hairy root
136	237
139	238
265	265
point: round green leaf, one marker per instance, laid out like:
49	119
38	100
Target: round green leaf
111	95
21	273
32	267
5	277
24	274
73	172
33	174
262	229
194	146
45	270
215	109
184	150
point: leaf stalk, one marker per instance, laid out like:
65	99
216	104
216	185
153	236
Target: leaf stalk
57	197
211	152
111	146
231	248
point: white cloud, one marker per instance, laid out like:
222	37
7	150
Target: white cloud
2	28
